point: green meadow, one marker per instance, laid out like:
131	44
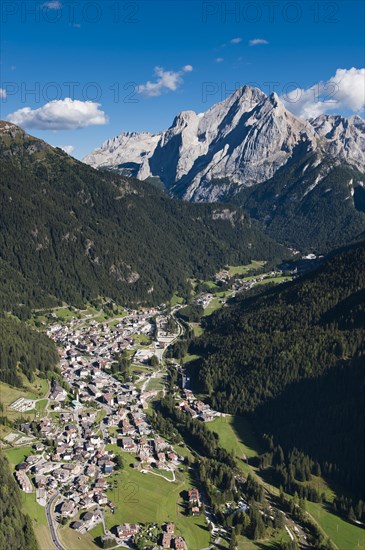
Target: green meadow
345	535
146	498
243	269
235	434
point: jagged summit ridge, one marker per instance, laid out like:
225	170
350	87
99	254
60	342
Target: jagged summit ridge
245	139
345	137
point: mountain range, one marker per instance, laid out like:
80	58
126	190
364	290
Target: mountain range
251	150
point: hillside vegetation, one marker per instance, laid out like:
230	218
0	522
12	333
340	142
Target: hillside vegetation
71	232
24	350
15	527
292	358
309	206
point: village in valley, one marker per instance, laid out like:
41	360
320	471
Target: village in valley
94	414
96	426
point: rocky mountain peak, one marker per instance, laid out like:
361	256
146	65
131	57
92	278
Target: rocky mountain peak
244	140
344	137
184	118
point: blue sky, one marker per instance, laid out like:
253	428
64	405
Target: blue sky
109	50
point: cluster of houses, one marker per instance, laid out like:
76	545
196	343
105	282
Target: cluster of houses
204	300
100	340
169	540
127	532
195	505
240	285
24	481
164	335
196	408
222	276
87	521
74	462
152	452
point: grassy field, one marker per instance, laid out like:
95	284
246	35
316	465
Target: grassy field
183	450
275	280
235	434
72	540
43	537
155	384
190	357
40	407
242	269
176	299
198	330
65	314
345	535
31	390
164	473
144	498
142	339
211	285
214	305
98	531
33	509
15	456
270	542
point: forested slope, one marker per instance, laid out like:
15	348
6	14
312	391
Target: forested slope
293	358
15	527
23	350
309	205
71	232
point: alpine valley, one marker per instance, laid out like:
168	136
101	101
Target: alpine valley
182	275
182	335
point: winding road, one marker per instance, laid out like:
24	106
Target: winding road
51	522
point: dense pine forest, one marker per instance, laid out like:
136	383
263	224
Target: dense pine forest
24	352
15	527
292	358
70	232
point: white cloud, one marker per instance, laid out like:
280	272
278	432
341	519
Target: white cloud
165	81
68	149
219	60
236	40
343	91
64	114
52	5
257	41
2	93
